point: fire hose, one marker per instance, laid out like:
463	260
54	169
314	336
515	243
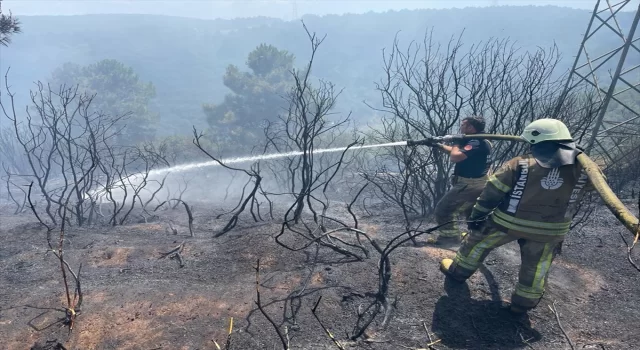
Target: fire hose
619	210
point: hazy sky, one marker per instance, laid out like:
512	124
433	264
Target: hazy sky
246	8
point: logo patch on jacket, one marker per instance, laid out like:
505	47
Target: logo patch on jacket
552	181
471	144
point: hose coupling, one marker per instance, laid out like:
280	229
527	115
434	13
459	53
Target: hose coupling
449	138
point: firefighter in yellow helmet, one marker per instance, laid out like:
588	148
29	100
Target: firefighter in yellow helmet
531	199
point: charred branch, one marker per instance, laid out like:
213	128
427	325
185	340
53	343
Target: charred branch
380	304
283	339
174	254
254	177
326	330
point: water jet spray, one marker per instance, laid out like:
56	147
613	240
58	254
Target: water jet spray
268	157
246	159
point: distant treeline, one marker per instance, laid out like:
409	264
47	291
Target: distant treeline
186	59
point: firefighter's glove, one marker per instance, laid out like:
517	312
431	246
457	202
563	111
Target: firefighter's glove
476	224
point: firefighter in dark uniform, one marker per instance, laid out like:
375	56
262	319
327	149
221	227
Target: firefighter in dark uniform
531	199
473	160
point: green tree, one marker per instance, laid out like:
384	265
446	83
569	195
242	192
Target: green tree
9	25
119	91
256	97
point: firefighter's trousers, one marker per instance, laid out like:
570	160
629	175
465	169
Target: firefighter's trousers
536	258
458	202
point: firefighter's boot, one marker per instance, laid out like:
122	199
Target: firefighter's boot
514	310
517	310
445	268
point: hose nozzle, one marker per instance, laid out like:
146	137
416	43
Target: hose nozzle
423	142
432	141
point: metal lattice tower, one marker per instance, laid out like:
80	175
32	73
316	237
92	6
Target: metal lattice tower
594	65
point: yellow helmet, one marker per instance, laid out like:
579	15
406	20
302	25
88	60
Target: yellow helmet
546	129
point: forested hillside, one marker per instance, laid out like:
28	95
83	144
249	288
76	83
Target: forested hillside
185	59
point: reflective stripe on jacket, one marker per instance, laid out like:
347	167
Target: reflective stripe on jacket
529	201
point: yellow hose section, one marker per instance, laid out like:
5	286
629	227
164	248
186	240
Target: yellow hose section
599	183
610	199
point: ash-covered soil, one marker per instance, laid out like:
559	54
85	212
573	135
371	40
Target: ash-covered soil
133	300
